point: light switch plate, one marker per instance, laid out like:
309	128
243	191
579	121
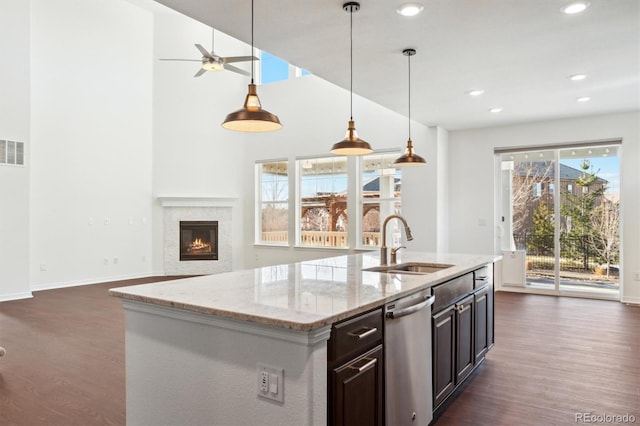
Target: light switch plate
270	382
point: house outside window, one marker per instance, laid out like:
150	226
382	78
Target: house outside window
272	202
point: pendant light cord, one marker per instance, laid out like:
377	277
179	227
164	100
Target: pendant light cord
252	49
409	56
351	60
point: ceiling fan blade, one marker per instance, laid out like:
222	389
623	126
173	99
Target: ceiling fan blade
200	72
188	60
231	59
204	52
236	69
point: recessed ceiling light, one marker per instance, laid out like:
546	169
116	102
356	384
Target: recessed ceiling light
409	9
575	7
496	110
475	92
583	99
577	77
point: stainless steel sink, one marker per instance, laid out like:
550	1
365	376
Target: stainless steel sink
410	268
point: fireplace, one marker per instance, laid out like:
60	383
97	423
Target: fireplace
198	240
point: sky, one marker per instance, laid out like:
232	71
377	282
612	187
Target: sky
607	168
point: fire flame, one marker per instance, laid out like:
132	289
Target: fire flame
199	245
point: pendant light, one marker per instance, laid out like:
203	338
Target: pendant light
409	158
351	144
251	117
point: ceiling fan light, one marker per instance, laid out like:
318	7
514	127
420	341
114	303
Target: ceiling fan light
251	117
351	144
409	158
212	66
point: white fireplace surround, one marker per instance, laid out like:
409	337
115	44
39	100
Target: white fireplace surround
176	209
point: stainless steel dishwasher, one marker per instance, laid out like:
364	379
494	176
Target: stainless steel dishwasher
407	345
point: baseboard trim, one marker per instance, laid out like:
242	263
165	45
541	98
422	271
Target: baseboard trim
16	296
88	281
631	300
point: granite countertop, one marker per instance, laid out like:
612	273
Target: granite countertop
301	296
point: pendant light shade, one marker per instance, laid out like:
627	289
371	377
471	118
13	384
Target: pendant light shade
409	158
251	117
351	144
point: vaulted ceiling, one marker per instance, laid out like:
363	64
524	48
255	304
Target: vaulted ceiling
520	52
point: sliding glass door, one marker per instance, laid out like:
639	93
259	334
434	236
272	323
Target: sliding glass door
561	218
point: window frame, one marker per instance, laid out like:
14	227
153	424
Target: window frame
260	202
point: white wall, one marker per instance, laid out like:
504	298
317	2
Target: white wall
14	125
315	115
471	172
90	195
192	154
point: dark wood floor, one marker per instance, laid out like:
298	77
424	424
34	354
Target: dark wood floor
553	358
65	357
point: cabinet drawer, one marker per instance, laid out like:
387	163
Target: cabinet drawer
355	335
449	292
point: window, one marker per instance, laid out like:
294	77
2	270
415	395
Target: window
273	202
322	204
380	196
551	188
569	188
11	152
274	69
537	189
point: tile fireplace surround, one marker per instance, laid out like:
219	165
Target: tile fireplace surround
176	209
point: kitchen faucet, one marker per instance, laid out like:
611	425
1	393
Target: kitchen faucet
383	247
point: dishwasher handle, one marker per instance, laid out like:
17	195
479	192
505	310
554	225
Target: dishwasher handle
411	309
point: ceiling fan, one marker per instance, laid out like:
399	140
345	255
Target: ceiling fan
213	62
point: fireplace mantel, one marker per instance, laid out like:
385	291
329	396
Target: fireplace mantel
197	201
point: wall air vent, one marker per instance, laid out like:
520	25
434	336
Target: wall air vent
12	153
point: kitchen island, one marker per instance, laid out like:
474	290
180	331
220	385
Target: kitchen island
196	347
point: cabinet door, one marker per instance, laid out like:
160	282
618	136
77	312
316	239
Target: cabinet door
465	357
490	315
482	322
443	354
358	395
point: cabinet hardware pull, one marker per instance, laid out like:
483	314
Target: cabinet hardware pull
460	308
484	278
360	336
370	363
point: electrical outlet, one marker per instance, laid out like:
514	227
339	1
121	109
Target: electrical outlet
271	382
105	261
106	220
264	382
115	260
43	267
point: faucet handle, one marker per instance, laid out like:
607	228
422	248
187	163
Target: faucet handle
394	250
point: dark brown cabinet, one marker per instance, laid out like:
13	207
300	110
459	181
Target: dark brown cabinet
465	356
444	349
356	371
358	390
482	323
462	327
